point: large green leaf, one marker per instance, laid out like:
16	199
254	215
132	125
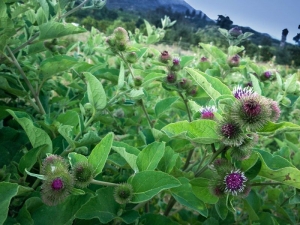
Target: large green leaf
63	213
157	219
278	169
275	128
99	154
150	156
200	187
4	85
56	64
103	206
29	159
211	85
95	92
53	30
164	105
185	196
168	161
147	184
199	131
37	136
7	192
76	158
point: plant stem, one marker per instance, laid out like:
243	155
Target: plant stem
127	64
73	10
145	112
170	205
186	106
98	182
188	158
34	93
213	157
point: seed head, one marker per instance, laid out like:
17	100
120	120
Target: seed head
171	78
83	174
123	193
235	182
251	112
244	151
53	163
267	74
230	132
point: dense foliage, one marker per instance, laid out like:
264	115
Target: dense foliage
110	130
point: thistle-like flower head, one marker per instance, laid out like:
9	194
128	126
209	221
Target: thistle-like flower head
251	112
234	61
267	74
123	193
83	174
53	163
165	57
207	112
176	61
230	132
275	112
171	78
235	182
244	151
56	188
239	92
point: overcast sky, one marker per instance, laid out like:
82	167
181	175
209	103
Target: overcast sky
265	16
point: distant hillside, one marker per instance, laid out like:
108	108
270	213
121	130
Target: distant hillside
179	6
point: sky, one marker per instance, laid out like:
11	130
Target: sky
265	16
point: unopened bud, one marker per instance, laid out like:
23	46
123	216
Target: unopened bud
234	61
235	32
132	57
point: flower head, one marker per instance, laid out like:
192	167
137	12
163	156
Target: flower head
176	61
53	163
123	193
176	64
251	111
171	78
267	74
235	32
230	132
165	57
56	188
235	182
275	110
234	61
204	59
244	151
239	92
83	174
207	112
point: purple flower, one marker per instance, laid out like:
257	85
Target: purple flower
207	112
267	74
240	92
230	132
176	61
235	182
234	61
57	184
164	56
203	59
171	78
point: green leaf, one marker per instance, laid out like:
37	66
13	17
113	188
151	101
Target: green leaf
4	85
136	93
76	158
148	28
233	50
252	205
215	52
290	85
7	192
147	184
221	208
39	176
150	156
276	128
168	161
56	64
66	132
121	76
69	118
200	187
255	83
99	154
37	136
103	206
53	30
63	213
157	219
211	85
185	196
164	105
279	169
152	77
199	131
29	159
95	92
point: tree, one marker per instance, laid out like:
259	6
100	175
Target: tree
224	22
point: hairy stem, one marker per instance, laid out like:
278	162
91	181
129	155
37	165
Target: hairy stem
34	93
185	101
103	183
170	205
146	113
